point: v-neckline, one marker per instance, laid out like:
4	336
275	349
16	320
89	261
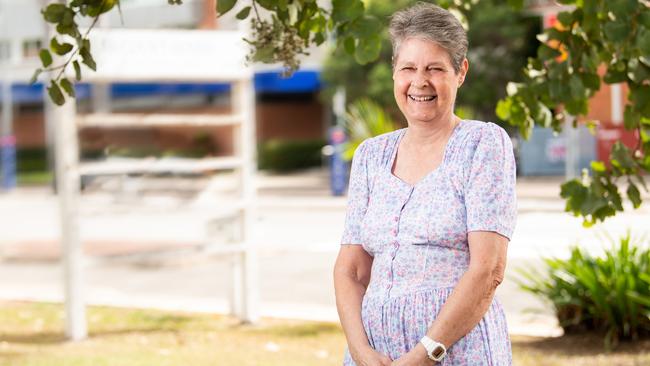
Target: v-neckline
432	172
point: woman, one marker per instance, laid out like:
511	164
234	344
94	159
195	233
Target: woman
431	209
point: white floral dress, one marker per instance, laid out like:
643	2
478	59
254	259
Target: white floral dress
417	235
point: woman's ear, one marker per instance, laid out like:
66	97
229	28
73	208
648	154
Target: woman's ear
464	67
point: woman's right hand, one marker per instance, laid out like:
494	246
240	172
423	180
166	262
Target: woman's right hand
370	357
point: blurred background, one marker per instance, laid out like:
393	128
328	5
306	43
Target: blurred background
190	222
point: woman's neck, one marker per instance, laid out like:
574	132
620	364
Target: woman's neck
431	134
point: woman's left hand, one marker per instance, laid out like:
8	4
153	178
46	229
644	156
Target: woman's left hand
415	357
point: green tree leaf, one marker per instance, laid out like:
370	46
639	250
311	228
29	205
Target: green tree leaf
77	70
55	93
346	10
598	166
641	98
517	4
617	31
224	6
637	71
621	8
267	4
46	57
37	72
644	19
53	13
591	81
621	158
319	38
365	27
565	18
68	87
613	76
576	86
97	8
86	56
349	44
575	193
243	14
368	50
547	53
58	48
633	194
631	117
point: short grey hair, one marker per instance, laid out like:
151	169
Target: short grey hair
432	23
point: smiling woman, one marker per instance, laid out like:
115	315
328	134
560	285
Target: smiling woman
431	209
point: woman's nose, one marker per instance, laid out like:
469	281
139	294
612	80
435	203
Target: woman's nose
419	82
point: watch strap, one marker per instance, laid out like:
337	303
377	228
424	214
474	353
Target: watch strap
430	345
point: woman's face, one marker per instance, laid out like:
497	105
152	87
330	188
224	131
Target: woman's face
424	81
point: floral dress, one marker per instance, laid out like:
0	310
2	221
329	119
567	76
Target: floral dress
417	235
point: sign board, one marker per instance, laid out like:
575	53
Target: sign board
168	55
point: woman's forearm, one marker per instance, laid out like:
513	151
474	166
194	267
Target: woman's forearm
349	296
465	307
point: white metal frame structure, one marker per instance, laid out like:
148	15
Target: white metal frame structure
162	55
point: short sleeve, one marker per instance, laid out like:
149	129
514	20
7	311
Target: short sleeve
357	196
490	193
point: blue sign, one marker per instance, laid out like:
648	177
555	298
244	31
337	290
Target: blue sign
338	166
8	161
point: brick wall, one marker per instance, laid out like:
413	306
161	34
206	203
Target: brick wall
275	120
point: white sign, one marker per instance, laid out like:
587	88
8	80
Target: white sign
168	55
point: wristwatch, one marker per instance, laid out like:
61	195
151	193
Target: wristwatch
435	350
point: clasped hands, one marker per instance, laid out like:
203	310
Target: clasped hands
415	357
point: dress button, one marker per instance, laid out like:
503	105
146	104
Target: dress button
396	218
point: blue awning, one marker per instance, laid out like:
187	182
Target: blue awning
26	93
265	82
299	82
124	90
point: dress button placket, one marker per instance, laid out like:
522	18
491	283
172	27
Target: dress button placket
395	232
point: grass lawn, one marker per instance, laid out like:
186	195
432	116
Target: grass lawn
31	334
34	178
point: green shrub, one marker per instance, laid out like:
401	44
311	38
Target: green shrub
364	119
609	294
153	151
288	155
30	160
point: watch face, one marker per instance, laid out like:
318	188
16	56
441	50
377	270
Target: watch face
438	352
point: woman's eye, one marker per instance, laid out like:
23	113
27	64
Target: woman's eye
408	68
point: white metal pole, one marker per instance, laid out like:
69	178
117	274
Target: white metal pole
66	158
616	98
67	183
244	104
237	259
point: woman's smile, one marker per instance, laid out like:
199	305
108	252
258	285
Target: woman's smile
422	98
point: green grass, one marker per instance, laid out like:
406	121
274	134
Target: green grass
31	335
34	178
